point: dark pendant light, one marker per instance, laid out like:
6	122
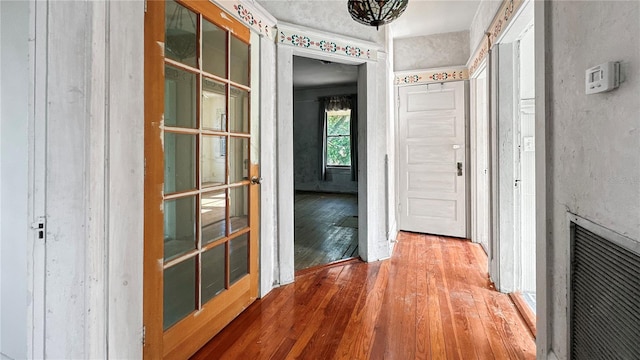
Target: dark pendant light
180	35
376	12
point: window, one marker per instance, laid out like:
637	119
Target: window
338	138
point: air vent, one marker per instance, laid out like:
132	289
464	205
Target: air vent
605	293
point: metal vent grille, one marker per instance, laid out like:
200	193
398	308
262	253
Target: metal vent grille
605	296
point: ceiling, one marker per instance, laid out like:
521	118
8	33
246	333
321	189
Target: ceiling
422	17
427	17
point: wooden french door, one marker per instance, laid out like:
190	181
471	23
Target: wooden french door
201	218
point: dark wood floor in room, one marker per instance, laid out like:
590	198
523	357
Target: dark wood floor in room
431	300
324	229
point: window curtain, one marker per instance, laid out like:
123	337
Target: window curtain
322	141
337	103
354	136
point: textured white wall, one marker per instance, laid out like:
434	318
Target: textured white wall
431	51
95	175
306	144
506	172
269	270
481	21
594	140
1	352
14	159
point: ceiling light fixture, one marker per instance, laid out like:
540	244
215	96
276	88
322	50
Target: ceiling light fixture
376	12
180	35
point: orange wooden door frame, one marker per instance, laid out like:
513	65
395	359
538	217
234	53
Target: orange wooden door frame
189	334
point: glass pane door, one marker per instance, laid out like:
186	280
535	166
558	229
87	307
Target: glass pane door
198	175
206	161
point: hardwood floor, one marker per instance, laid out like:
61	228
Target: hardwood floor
325	228
431	300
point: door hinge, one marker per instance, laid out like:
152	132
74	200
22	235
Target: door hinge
40	227
145	6
144	335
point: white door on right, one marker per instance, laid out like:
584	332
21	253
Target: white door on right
432	146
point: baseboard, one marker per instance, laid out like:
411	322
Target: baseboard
525	312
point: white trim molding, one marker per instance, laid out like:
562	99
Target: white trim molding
306	38
544	278
437	75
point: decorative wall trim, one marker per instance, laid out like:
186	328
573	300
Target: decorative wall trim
500	22
502	19
251	14
479	55
325	42
439	75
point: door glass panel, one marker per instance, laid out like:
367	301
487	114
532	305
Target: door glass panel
179	162
179	98
179	291
239	159
214	49
206	144
239	110
180	34
214	155
239	61
238	258
214	105
179	226
213	216
238	208
212	272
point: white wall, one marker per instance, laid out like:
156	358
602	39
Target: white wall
505	157
392	216
95	174
307	145
14	160
527	66
269	271
431	51
1	68
593	141
378	136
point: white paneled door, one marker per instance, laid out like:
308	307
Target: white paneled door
432	136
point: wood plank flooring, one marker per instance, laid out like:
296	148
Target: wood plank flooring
323	230
431	300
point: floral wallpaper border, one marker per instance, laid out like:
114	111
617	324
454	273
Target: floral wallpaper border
325	44
479	56
500	22
502	19
434	76
248	15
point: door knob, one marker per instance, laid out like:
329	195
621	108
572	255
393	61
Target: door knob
256	180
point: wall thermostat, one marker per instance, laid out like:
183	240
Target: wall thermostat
601	78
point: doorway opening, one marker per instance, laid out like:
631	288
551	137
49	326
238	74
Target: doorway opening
325	155
514	82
